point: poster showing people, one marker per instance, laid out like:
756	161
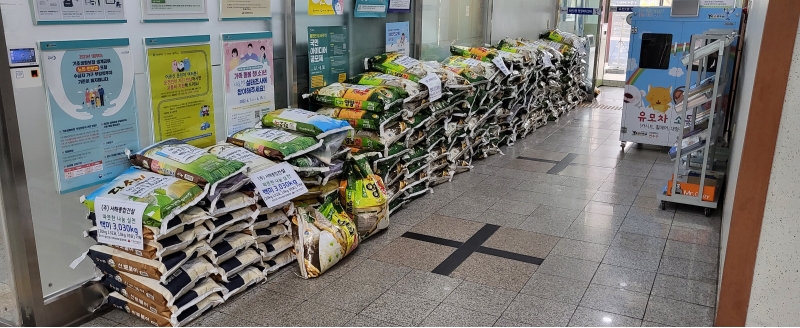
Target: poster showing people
248	77
181	93
158	11
397	37
92	107
50	12
328	58
244	9
325	7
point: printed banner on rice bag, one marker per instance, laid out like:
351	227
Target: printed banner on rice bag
328	57
92	108
398	6
248	77
397	37
181	93
370	8
244	10
325	7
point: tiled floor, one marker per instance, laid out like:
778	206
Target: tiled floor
510	244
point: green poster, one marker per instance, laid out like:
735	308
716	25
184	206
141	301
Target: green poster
328	59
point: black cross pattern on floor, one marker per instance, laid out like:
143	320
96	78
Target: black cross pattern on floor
559	165
472	245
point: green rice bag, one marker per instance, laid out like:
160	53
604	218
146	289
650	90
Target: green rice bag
473	70
361	119
307	166
274	144
371	98
415	91
365	196
305	122
397	64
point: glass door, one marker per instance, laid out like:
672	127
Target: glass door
586	23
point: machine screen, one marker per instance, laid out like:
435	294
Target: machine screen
22	56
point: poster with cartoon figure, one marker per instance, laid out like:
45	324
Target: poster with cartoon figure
397	35
181	94
92	106
325	7
248	77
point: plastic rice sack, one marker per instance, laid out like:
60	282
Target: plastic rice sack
231	267
365	196
229	246
241	281
197	293
165	196
176	320
246	215
274	247
274	144
479	53
371	98
156	249
267	220
361	119
397	64
230	203
158	270
253	162
377	141
272	232
416	91
322	241
173	157
475	71
305	122
284	258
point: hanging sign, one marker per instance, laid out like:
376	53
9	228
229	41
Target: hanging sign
498	61
370	8
399	6
248	77
181	95
325	7
580	11
328	58
434	84
51	12
160	11
718	3
278	184
119	222
92	107
397	37
244	10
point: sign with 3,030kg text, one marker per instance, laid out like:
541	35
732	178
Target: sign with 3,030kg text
278	184
119	222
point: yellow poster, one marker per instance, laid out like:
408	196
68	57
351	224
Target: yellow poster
181	95
325	7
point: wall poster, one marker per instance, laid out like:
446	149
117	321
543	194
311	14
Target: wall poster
248	77
92	105
51	12
181	93
325	7
370	8
161	11
244	10
396	6
397	37
328	58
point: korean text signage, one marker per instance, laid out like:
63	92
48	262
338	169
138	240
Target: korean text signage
328	59
399	6
325	7
119	222
371	8
92	107
75	11
582	11
244	9
278	184
181	94
248	77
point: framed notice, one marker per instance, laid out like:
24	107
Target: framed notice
399	6
53	12
165	11
370	8
328	57
244	10
92	107
181	93
325	7
248	78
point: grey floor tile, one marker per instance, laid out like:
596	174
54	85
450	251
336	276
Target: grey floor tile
543	154
548	226
484	197
602	221
501	182
219	319
448	227
314	314
408	216
365	321
377	273
694	236
596	161
528	165
596	235
677	313
474	177
639	242
632	259
122	317
511	173
527	196
686	290
585	317
426	285
287	284
503	322
429	203
683	268
495	271
589	172
379	240
623	183
624	278
647	228
555	288
585	183
568	267
522	242
614	197
566	202
606	208
572	192
481	298
413	253
550	212
653	324
691	251
400	308
447	315
356	295
646	202
102	322
615	300
697	222
580	250
501	218
517	207
538	311
466	211
651	215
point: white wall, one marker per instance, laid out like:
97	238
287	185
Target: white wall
775	295
750	54
522	18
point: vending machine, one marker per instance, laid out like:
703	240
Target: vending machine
655	79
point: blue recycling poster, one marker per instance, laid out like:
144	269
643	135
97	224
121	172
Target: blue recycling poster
371	8
92	107
397	37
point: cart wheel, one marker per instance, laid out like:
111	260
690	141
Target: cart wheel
622	145
707	212
663	205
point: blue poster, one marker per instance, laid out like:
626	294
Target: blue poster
92	108
371	8
397	37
